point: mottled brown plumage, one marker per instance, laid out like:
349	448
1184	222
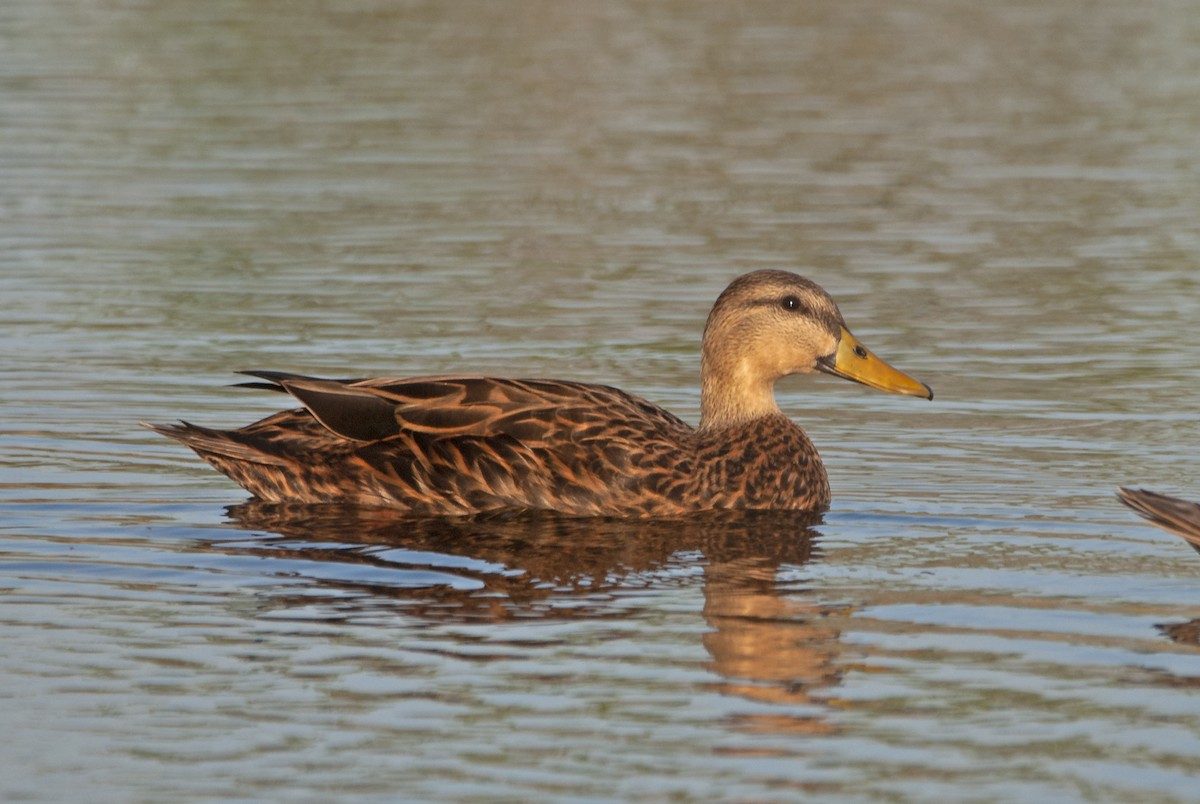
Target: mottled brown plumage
467	444
1170	513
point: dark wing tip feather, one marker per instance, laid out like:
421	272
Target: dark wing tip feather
278	377
276	380
260	386
350	412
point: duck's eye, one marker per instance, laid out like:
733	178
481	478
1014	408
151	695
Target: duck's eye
790	303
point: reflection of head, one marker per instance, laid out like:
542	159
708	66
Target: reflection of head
767	645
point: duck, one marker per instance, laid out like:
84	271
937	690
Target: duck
462	445
1169	513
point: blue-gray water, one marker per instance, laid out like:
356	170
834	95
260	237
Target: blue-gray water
1004	198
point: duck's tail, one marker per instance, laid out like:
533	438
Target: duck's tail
1170	513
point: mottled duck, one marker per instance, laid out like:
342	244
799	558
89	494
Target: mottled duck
457	445
1170	513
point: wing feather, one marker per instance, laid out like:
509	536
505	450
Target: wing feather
531	411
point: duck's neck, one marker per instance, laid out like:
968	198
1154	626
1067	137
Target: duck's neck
732	392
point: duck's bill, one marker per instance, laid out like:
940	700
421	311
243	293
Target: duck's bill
853	361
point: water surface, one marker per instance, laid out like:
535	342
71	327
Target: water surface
1004	199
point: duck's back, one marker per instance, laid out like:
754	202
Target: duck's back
456	445
463	445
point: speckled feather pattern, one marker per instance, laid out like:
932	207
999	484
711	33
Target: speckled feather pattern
463	445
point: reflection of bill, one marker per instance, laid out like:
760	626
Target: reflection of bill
765	643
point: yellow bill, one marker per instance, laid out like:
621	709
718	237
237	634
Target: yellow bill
853	361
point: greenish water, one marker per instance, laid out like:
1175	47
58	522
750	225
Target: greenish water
1004	199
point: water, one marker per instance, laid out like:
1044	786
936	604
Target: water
1004	199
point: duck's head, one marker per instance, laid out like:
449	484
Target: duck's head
769	324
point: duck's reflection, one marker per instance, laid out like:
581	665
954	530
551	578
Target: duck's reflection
767	641
767	646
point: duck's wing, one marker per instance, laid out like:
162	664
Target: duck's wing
537	413
458	445
1171	513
